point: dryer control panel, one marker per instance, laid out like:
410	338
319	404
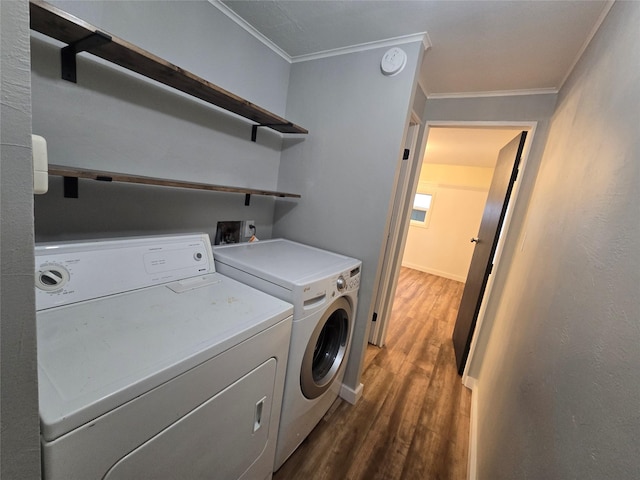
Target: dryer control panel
73	272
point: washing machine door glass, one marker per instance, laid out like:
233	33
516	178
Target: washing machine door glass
326	349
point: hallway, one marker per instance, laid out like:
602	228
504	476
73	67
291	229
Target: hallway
412	421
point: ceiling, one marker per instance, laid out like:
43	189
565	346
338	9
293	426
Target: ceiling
477	46
476	147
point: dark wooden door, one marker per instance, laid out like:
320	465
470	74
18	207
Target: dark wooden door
486	242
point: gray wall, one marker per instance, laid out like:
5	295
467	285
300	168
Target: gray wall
559	391
419	101
19	435
346	168
197	37
117	121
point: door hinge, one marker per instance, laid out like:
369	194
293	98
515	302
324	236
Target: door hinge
375	317
490	269
515	174
405	155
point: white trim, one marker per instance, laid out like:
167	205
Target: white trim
433	271
470	382
350	395
596	27
515	125
495	93
453	186
396	228
389	42
249	28
472	459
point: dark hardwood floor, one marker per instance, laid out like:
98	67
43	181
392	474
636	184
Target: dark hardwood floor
412	421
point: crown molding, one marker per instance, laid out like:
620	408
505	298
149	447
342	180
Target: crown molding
389	42
496	93
596	27
249	29
422	36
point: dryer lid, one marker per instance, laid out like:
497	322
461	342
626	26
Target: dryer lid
94	356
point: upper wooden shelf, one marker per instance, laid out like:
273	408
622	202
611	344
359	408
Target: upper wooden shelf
81	36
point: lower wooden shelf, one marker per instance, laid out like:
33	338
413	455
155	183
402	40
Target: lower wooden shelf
71	175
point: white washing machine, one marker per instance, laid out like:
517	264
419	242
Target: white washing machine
153	366
323	287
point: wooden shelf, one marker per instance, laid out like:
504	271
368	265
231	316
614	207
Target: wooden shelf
81	36
75	173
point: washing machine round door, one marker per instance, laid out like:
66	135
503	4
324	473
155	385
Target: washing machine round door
326	349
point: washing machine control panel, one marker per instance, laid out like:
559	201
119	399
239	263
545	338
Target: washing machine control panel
348	280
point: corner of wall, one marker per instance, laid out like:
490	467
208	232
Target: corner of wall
18	361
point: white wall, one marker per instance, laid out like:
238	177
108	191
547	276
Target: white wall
114	120
443	246
357	119
559	390
19	435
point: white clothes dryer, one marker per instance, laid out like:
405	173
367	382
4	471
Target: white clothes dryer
153	366
323	288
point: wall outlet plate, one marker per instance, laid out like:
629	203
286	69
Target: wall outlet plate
248	231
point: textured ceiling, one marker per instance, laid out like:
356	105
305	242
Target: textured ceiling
477	45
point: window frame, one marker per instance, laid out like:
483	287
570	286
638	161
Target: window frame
427	217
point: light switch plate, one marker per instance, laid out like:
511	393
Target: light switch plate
40	165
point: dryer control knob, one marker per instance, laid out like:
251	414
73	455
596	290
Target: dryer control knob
52	277
341	283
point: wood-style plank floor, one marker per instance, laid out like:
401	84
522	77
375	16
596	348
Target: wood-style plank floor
412	421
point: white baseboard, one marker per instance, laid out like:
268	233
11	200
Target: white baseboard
472	461
439	273
350	395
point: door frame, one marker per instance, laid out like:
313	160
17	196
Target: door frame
396	233
391	262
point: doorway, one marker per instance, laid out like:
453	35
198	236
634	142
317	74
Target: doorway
459	145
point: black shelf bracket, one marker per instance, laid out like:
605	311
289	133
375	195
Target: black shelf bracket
68	53
254	132
254	128
70	187
247	199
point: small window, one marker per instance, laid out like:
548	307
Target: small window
421	208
